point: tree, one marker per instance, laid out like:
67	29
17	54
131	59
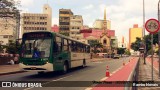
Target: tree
136	45
127	52
121	51
1	48
9	11
95	45
148	40
8	8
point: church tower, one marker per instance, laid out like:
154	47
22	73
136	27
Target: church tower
48	10
105	39
105	23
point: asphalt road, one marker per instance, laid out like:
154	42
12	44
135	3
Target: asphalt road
93	71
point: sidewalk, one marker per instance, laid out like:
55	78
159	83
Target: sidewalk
145	75
9	69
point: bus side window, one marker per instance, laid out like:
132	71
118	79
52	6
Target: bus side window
65	44
72	46
59	43
69	45
55	47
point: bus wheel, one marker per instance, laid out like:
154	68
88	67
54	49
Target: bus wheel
84	63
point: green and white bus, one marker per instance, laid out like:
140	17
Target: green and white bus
48	51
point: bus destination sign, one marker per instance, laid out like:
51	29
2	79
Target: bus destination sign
37	35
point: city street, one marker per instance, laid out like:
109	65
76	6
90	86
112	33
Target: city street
79	45
93	71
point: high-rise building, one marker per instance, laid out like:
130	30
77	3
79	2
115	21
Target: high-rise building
9	25
76	24
122	42
7	30
98	24
32	22
64	21
134	33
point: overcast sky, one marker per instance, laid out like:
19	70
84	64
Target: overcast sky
122	13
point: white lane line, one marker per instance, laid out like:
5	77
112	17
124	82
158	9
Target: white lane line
62	78
49	82
103	78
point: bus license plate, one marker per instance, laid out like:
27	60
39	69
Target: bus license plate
33	67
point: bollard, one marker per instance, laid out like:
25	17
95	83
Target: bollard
107	71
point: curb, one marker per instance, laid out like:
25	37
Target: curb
7	73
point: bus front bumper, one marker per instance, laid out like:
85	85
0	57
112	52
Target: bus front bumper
45	67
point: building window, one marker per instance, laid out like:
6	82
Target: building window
104	41
41	18
10	36
5	36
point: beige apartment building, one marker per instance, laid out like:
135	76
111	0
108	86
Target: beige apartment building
64	21
7	30
32	22
98	24
76	25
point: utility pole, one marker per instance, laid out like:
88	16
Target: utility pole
159	39
144	32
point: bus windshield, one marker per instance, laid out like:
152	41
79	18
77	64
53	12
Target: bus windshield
36	48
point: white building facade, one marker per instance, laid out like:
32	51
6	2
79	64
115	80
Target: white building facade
32	22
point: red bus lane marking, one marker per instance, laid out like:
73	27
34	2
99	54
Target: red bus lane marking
121	75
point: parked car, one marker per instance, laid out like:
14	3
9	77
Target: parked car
116	56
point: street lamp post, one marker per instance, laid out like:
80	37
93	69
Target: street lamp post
159	38
144	32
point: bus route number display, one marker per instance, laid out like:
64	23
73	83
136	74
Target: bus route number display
37	35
